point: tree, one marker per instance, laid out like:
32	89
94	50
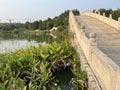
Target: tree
102	10
76	12
27	25
115	13
44	23
49	23
35	25
40	24
56	21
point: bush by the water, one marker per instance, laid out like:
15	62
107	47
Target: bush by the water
32	68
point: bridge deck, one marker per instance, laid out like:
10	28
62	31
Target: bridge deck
108	38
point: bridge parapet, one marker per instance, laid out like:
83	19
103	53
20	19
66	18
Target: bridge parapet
105	70
79	33
103	18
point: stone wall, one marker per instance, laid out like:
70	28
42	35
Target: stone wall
103	18
106	74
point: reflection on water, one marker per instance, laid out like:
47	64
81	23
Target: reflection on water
63	78
10	42
12	45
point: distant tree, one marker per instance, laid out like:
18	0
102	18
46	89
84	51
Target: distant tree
44	23
60	21
56	21
65	21
115	13
76	12
108	12
102	10
40	24
27	25
49	23
94	11
35	25
11	26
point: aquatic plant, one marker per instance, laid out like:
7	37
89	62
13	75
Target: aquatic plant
33	68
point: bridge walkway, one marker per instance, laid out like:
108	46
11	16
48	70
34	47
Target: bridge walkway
107	37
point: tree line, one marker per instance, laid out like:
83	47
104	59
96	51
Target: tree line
61	22
115	13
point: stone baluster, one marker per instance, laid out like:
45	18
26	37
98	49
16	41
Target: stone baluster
119	19
98	13
92	38
119	23
104	17
110	21
95	13
82	30
110	16
103	14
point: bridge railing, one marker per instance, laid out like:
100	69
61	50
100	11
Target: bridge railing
103	18
106	71
74	28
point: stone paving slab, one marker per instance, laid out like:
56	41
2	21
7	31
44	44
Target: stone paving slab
107	37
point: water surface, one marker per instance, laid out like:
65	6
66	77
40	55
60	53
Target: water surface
10	42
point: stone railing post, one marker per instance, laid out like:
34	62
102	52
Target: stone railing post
119	23
95	12
110	16
98	13
103	14
92	38
118	19
104	17
82	30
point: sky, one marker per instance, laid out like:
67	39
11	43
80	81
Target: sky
23	10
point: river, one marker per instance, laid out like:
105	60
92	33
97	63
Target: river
10	42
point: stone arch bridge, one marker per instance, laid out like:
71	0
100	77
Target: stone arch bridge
96	38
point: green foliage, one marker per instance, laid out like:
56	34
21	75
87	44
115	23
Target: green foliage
61	27
76	12
27	25
49	23
35	25
11	26
56	21
32	68
80	80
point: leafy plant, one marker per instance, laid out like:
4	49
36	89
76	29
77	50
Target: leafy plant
32	68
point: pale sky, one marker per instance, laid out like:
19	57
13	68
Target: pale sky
42	9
